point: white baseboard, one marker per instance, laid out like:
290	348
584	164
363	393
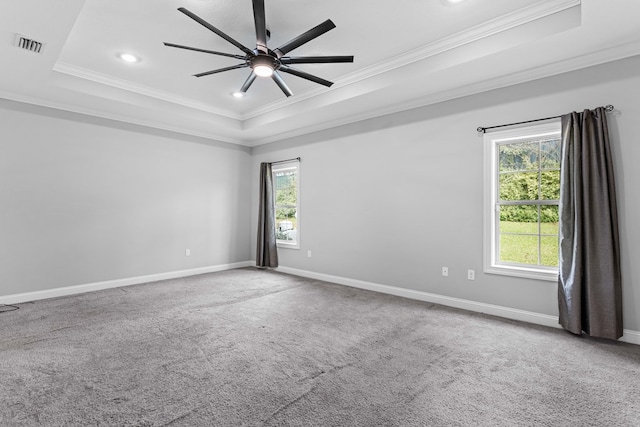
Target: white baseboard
632	337
97	286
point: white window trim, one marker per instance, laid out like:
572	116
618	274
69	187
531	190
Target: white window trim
491	140
283	166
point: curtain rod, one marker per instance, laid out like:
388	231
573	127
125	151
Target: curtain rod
484	130
284	161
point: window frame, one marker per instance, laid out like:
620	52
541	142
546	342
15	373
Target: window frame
293	164
492	141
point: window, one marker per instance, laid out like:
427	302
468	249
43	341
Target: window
522	191
287	206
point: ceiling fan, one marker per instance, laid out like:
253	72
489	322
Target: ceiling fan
263	61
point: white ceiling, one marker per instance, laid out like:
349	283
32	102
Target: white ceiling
408	53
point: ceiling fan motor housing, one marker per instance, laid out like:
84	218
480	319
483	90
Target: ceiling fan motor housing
262	59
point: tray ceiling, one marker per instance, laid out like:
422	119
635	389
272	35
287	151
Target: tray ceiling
407	54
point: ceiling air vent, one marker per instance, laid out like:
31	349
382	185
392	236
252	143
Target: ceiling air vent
28	44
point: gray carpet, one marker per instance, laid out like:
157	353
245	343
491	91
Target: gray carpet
252	348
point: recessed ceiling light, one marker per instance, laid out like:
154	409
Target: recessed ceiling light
238	94
455	1
129	57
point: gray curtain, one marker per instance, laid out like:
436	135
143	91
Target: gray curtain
266	251
589	283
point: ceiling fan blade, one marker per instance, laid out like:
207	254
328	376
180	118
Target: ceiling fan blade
217	31
315	59
278	79
260	19
307	76
220	70
305	37
179	46
248	82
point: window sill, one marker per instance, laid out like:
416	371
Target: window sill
288	245
527	273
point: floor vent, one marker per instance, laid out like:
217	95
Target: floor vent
28	44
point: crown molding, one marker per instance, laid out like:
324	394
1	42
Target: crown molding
592	59
83	110
490	28
559	67
104	79
538	10
523	16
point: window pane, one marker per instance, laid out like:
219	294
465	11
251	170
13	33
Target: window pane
549	250
549	230
285	184
519	233
550	185
519	186
521	156
286	223
524	240
519	248
286	202
549	218
550	154
524	214
510	227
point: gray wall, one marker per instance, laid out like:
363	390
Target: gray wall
86	200
393	199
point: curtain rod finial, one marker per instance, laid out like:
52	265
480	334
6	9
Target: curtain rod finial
481	129
609	107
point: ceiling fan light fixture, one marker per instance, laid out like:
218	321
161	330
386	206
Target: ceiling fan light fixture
263	70
263	65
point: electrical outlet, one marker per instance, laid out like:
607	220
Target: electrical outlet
187	252
471	274
445	271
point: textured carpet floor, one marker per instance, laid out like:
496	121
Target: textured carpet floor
249	347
